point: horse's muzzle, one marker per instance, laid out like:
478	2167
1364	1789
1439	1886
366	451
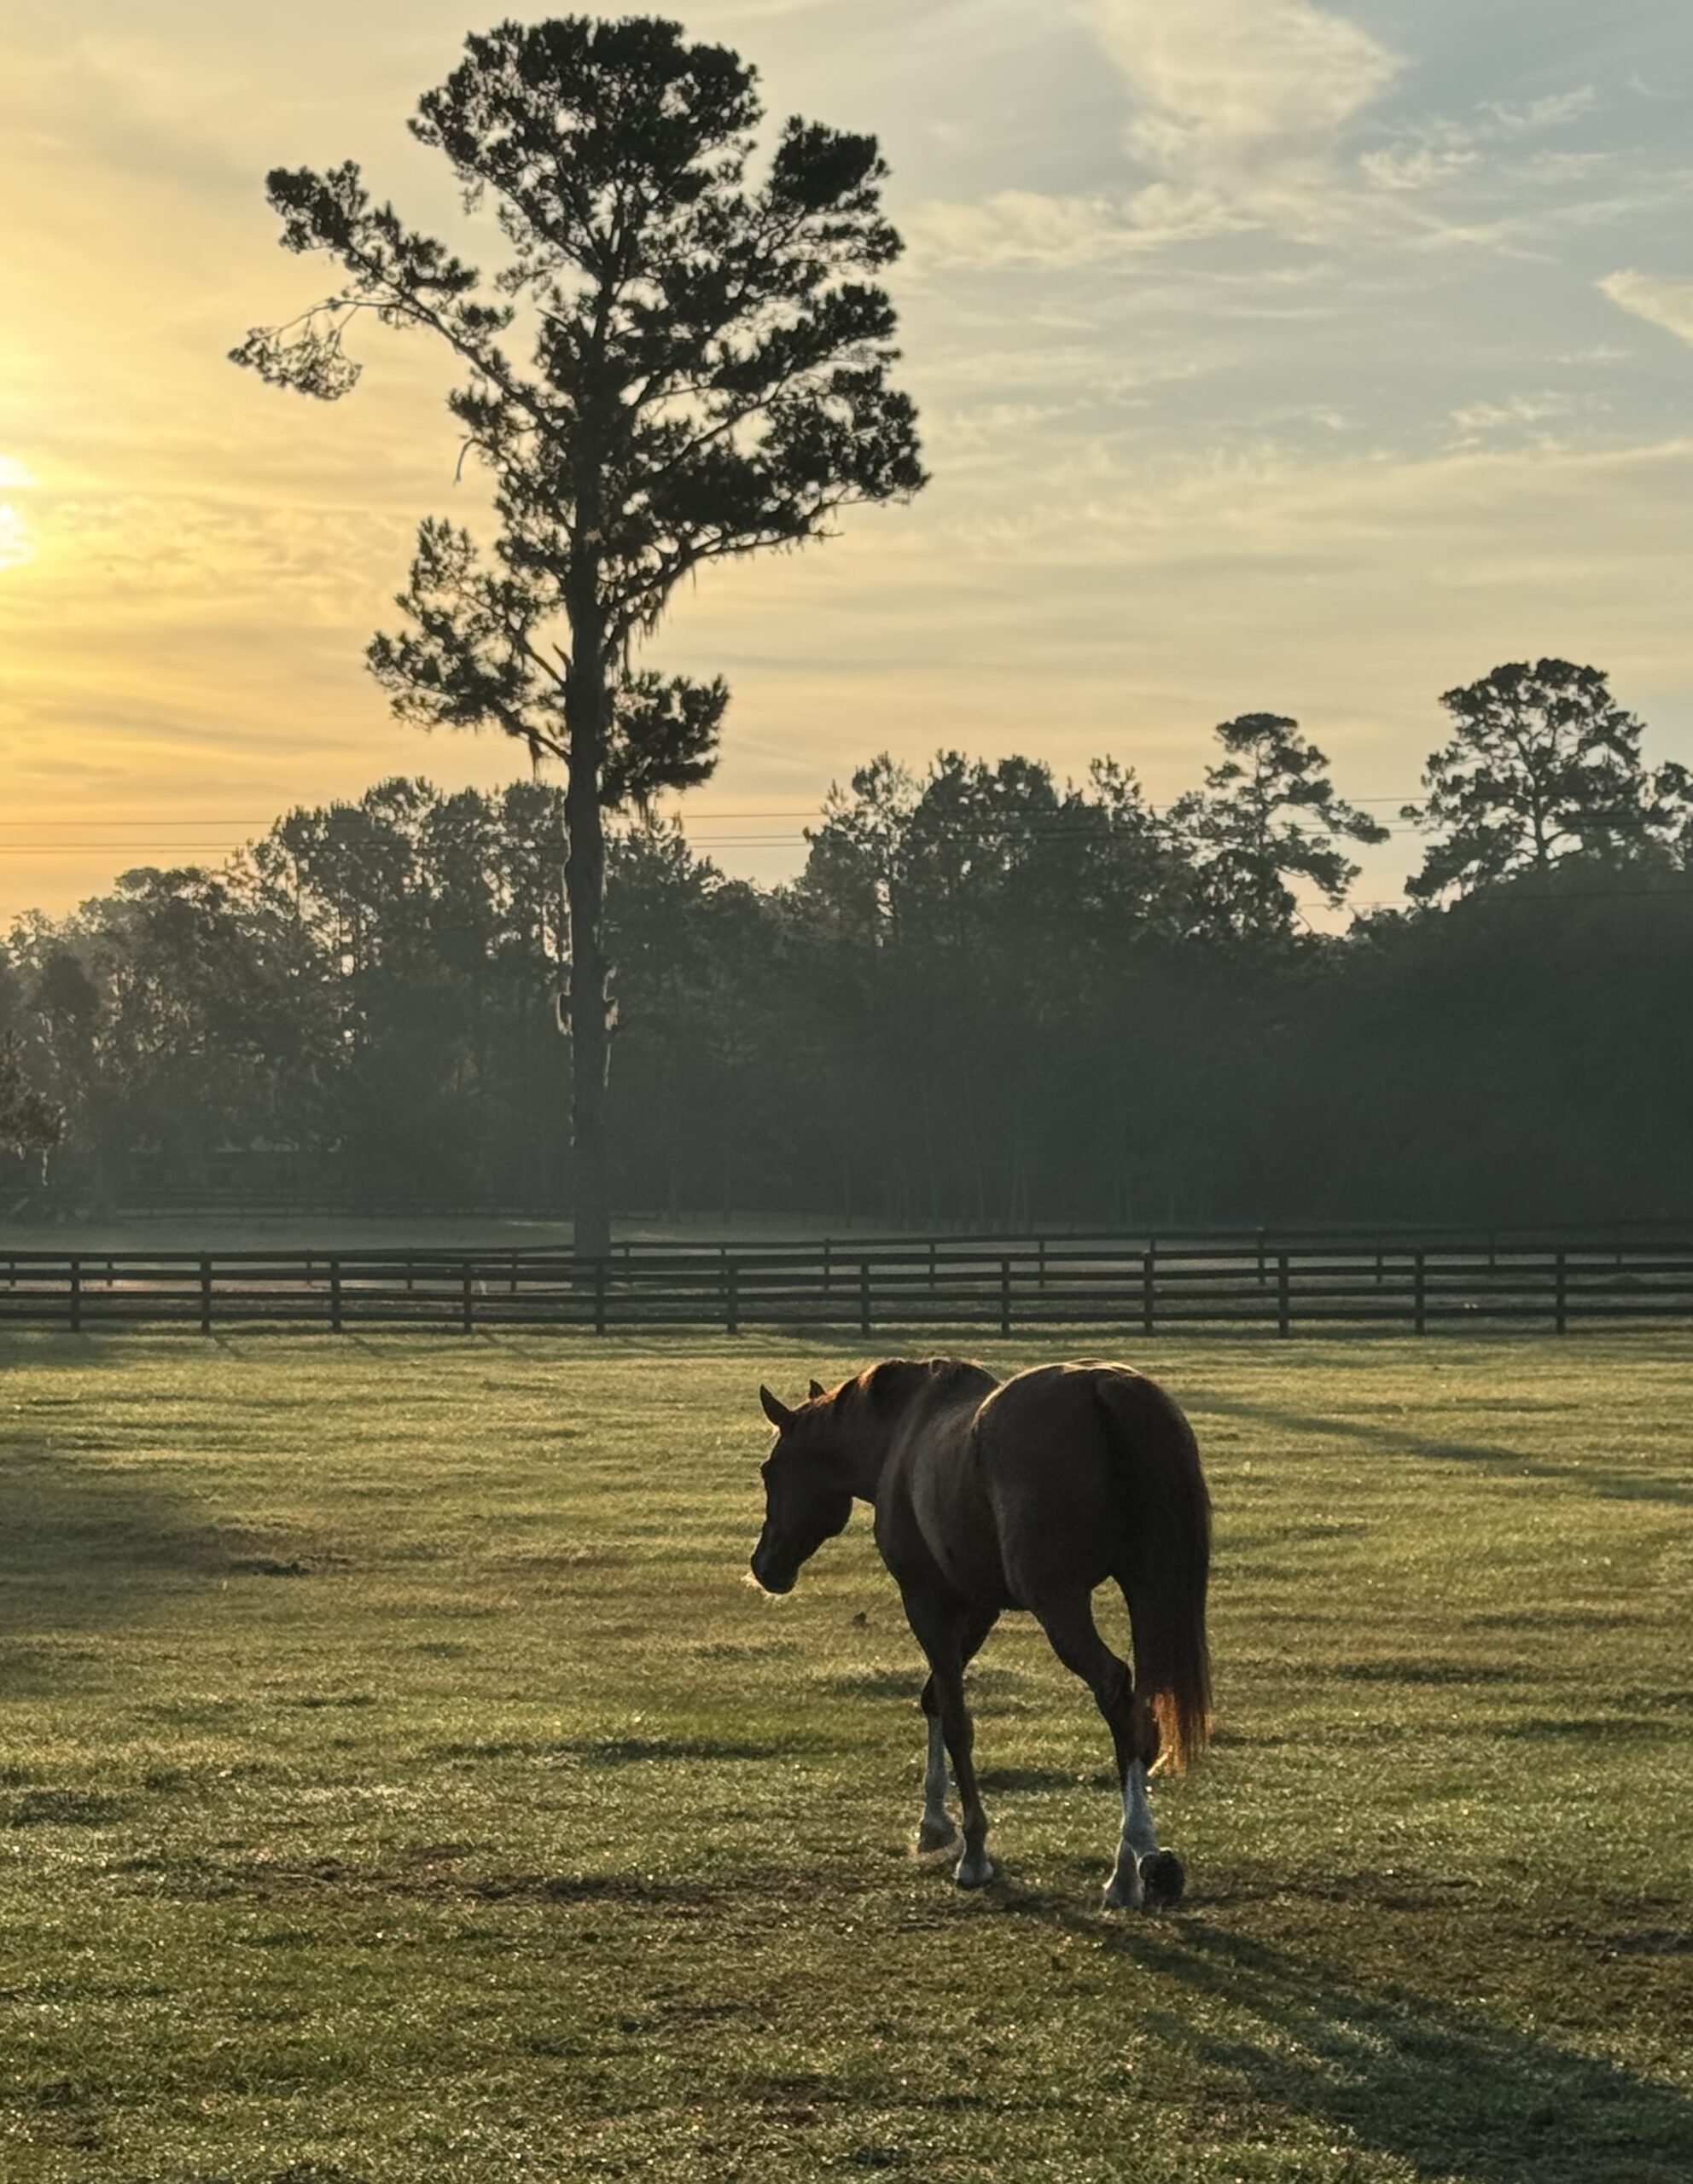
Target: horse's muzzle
772	1580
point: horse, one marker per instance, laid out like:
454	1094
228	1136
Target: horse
1028	1494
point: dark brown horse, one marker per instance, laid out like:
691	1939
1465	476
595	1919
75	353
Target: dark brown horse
1023	1495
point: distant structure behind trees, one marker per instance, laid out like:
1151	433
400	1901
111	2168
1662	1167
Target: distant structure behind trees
989	999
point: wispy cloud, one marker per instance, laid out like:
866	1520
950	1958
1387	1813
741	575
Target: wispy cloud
1669	304
1520	117
1233	112
1478	423
1240	100
1028	228
1439	148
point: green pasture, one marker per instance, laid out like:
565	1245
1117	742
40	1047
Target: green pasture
397	1781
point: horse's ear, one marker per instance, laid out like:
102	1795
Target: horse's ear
818	1390
777	1412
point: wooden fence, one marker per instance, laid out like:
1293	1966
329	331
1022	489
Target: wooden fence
1280	1284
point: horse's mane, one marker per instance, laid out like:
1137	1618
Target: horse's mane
897	1379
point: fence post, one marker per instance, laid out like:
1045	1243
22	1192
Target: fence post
601	1271
1149	1283
205	1295
1040	1263
1419	1292
410	1272
1263	1274
76	1295
828	1268
1284	1300
334	1296
514	1270
466	1293
931	1262
1005	1297
1561	1296
864	1296
731	1298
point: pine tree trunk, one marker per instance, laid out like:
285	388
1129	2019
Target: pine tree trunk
588	705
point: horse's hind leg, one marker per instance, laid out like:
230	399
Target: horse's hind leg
935	1831
1070	1629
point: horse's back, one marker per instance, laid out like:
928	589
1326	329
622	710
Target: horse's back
1055	1451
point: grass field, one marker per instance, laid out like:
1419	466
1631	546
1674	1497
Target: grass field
397	1781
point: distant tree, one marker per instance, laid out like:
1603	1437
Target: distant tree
708	376
30	1123
1268	813
1544	764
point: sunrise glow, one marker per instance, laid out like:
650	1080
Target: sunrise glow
1269	354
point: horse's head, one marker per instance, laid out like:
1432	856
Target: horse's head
807	1495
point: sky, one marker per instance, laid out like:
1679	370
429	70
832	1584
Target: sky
1271	355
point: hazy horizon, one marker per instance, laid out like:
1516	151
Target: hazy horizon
1271	357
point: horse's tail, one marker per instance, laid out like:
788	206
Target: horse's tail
1167	1564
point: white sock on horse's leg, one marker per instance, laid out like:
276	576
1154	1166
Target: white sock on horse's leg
1137	1828
936	1831
1139	1840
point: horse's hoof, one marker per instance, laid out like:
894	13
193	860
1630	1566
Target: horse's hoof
1124	1892
974	1872
1164	1878
935	1835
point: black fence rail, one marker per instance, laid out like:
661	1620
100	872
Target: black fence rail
1274	1283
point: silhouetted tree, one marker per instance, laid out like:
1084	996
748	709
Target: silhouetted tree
1542	764
708	376
1267	813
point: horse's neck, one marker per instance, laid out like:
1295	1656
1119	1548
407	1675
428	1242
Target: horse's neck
869	1453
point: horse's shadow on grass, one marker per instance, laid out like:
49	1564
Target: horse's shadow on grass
1445	2089
1597	1479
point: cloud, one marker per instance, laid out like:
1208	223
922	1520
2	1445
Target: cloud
1669	304
1242	102
1419	163
1236	107
1477	420
1436	149
1519	118
1216	77
1027	227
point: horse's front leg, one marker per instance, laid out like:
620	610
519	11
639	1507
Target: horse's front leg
935	1830
948	1637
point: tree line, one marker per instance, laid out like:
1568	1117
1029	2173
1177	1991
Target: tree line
990	997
